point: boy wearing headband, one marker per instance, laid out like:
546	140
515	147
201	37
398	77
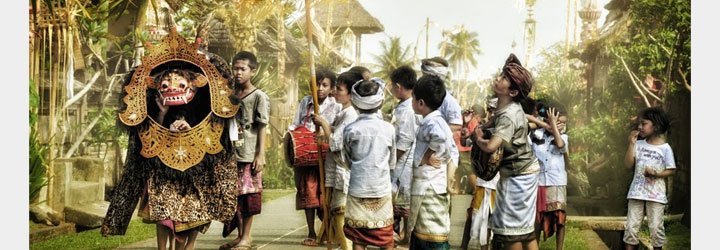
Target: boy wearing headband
369	145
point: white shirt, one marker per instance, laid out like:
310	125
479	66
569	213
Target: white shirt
658	157
328	110
405	122
369	149
452	113
336	175
433	133
552	162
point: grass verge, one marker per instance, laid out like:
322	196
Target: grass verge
137	231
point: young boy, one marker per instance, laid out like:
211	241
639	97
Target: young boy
307	178
550	147
405	122
336	172
430	204
449	108
369	145
249	149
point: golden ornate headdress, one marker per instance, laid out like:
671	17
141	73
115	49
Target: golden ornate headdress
185	149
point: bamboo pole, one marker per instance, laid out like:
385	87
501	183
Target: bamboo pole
51	122
316	107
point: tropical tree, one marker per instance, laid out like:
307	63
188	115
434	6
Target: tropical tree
392	57
460	47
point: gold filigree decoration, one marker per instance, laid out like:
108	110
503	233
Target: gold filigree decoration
181	150
174	48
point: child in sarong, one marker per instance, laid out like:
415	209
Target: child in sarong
430	204
369	149
337	174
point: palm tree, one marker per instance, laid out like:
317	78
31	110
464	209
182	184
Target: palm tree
393	56
460	47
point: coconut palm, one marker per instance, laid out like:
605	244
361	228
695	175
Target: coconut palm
460	47
393	56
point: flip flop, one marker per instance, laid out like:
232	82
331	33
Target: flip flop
228	246
242	247
309	242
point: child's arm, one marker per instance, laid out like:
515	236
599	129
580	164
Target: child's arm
553	119
326	129
163	110
429	158
259	161
630	153
665	173
534	122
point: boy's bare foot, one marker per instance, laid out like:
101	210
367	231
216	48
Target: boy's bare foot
230	245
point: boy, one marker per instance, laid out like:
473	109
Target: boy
405	122
307	178
430	204
249	149
369	144
336	172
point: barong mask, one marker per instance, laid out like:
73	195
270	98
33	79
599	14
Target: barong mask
180	71
178	87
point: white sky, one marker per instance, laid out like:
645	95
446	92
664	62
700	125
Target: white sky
497	22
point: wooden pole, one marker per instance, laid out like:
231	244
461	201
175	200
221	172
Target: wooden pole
316	108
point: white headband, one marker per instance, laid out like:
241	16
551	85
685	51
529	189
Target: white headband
371	101
440	71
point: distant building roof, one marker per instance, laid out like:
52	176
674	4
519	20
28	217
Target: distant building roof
347	14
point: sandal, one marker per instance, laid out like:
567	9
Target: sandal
229	245
242	247
309	242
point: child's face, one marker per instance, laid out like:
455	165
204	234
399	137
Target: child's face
324	88
242	71
646	128
342	95
396	90
418	106
501	86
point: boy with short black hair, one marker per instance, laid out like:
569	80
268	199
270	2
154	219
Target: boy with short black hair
430	204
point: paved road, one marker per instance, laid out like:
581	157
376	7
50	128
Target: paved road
281	227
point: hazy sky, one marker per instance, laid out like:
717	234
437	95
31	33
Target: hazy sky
497	22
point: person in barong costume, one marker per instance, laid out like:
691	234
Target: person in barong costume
429	219
449	109
514	215
369	149
175	108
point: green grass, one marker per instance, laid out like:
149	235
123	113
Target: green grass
137	231
91	239
271	194
573	239
677	236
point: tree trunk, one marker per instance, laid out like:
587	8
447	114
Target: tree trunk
677	106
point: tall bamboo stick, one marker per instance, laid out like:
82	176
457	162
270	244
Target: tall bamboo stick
316	106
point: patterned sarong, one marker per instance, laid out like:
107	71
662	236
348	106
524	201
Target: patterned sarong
430	216
368	221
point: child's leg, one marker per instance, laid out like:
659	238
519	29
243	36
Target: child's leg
246	227
310	218
359	247
190	243
466	231
163	234
655	211
560	237
632	225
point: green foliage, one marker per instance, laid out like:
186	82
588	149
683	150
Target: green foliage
106	129
92	239
38	152
276	173
393	55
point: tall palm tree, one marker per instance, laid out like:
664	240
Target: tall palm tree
460	47
393	56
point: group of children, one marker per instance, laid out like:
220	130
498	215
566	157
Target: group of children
389	183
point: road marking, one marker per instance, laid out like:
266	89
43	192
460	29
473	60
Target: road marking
278	238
